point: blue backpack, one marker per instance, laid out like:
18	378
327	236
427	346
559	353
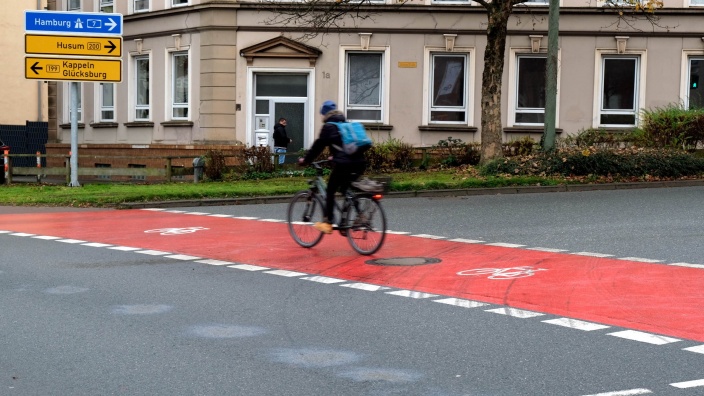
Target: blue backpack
354	137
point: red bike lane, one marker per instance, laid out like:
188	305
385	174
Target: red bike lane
656	298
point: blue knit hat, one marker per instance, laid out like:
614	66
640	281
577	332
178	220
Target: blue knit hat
327	107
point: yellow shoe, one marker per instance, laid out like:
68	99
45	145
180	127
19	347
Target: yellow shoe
325	228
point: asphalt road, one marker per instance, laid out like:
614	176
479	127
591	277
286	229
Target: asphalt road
85	320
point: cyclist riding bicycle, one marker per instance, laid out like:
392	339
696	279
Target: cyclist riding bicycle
346	167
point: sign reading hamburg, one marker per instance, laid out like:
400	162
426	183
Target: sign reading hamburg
73	22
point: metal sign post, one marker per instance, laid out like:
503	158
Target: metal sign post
74	135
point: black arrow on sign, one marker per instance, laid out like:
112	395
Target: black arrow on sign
34	67
112	46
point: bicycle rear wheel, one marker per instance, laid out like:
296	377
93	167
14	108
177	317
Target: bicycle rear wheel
367	225
303	211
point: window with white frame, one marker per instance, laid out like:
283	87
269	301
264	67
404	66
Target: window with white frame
106	102
140	5
364	86
536	2
179	85
177	3
696	3
107	6
67	99
530	89
619	90
142	88
74	5
448	88
695	97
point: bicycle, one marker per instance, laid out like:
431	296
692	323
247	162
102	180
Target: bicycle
362	219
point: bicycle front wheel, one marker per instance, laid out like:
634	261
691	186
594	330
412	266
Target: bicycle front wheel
304	210
367	225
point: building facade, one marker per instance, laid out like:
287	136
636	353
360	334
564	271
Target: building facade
201	74
21	100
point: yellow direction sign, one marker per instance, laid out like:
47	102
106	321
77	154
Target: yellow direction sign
73	45
73	69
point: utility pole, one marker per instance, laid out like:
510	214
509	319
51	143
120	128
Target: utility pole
548	139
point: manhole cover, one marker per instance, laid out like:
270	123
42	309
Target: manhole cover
404	261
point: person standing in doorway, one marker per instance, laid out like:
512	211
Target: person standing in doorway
281	140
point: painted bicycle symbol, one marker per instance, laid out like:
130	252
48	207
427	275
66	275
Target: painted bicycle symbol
175	231
502	273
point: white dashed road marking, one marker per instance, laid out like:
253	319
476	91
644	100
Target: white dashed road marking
688	265
75	241
288	274
576	324
323	279
153	252
593	254
428	236
248	267
214	262
695	349
689	384
96	244
411	294
365	286
629	392
462	240
516	313
183	257
458	302
125	248
506	245
46	237
644	337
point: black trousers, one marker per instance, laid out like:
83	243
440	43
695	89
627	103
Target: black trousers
340	178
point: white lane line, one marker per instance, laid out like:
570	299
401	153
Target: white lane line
630	392
248	267
462	240
695	349
549	250
428	236
96	244
502	244
411	294
688	384
197	213
70	241
125	248
22	234
644	337
397	232
365	286
592	254
458	302
688	265
153	252
154	209
46	237
175	211
323	279
273	220
576	324
245	217
214	262
183	257
516	313
288	274
5	232
220	215
640	259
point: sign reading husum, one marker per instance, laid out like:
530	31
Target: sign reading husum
73	45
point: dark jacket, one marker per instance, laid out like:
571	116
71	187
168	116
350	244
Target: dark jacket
330	137
281	139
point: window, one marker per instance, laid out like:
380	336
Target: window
448	101
106	102
530	89
142	88
74	5
179	85
536	2
695	96
696	3
364	87
176	3
619	91
107	6
140	5
452	1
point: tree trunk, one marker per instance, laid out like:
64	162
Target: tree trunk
498	13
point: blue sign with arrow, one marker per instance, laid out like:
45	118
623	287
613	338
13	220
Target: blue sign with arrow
77	23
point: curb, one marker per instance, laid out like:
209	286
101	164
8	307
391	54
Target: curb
423	193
